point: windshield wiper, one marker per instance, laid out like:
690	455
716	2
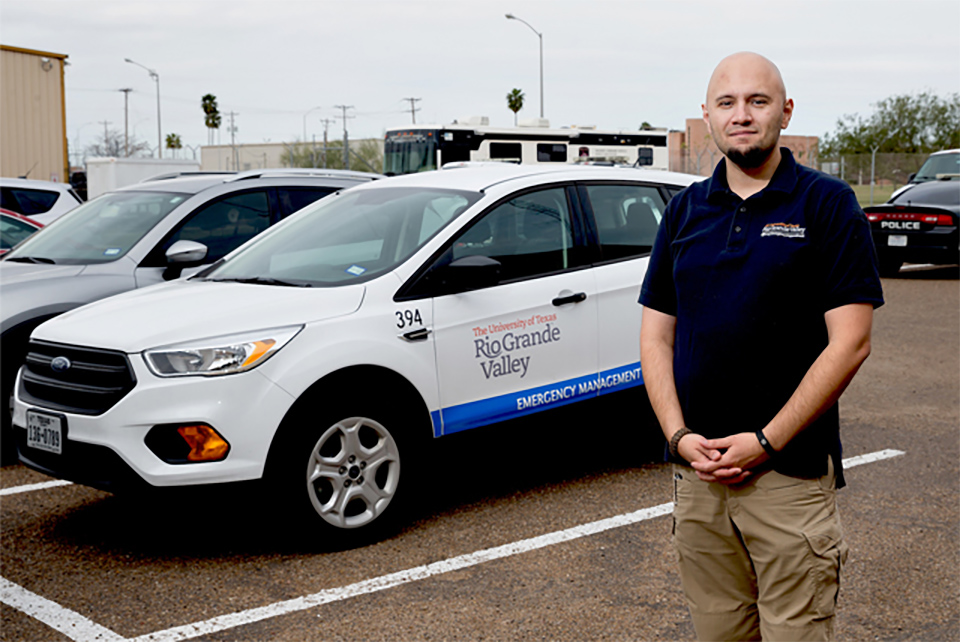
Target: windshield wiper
262	280
31	259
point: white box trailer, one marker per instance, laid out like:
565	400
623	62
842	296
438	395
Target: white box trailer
107	174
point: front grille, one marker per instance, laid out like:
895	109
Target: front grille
94	381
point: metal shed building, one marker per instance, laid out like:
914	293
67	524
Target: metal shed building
33	116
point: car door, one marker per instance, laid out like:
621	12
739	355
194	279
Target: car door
528	342
624	219
222	225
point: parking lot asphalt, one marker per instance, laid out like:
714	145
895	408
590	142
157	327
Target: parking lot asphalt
517	535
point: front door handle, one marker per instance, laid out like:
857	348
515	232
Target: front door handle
416	335
570	298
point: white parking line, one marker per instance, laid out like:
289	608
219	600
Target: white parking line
79	628
14	490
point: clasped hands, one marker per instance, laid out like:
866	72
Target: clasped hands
727	460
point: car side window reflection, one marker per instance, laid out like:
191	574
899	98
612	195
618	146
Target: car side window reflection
225	224
627	218
529	235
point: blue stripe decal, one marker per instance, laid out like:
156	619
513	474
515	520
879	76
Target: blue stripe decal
526	402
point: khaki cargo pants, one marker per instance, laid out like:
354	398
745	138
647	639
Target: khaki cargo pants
760	560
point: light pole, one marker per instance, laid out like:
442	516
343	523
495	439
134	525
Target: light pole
156	77
313	153
510	16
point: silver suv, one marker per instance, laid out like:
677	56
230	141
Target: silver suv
136	236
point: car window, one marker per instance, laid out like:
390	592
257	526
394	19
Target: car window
627	218
939	165
101	230
529	235
12	231
293	199
224	225
349	236
27	200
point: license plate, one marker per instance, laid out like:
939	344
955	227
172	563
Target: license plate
897	240
45	432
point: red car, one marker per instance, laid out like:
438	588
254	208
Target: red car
15	228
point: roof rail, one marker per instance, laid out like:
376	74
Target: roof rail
303	171
170	175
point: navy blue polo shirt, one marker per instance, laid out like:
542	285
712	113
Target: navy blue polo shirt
749	282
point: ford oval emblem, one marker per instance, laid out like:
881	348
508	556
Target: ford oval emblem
60	364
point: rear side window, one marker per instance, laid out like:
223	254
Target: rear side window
627	218
27	201
296	198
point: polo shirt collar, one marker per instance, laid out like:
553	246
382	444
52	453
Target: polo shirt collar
784	179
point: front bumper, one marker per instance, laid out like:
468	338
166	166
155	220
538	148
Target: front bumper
107	451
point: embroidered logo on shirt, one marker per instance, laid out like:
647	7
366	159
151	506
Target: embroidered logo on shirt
791	231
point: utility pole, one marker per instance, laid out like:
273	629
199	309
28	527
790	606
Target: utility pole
413	111
233	142
126	138
326	124
346	140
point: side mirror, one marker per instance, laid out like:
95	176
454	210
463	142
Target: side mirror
471	273
183	254
911	177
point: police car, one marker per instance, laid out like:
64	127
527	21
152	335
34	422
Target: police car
318	355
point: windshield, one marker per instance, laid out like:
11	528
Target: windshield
100	231
408	155
357	234
939	166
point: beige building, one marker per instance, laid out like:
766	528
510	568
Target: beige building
694	152
33	115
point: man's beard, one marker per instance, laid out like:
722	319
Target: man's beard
750	158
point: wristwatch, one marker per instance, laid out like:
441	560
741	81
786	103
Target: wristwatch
767	446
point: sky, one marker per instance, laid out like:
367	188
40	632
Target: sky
284	66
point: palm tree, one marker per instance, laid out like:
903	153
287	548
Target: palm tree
211	117
515	103
174	143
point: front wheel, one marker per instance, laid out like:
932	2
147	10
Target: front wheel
352	473
338	472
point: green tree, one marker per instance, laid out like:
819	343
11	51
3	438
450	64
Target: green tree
173	142
211	117
912	124
364	156
515	102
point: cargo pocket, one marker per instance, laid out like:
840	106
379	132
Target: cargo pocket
828	554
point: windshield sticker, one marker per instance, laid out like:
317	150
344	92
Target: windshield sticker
112	251
497	346
355	270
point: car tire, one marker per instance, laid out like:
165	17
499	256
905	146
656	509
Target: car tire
343	473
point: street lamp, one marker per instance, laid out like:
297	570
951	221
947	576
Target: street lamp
156	77
510	16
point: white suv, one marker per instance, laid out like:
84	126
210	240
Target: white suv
43	201
320	353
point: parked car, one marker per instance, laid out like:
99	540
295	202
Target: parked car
15	228
320	356
944	165
137	236
43	201
919	225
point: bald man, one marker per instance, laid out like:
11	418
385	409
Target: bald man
758	305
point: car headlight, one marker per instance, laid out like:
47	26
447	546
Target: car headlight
219	355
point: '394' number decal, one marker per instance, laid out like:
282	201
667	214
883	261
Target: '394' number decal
408	317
